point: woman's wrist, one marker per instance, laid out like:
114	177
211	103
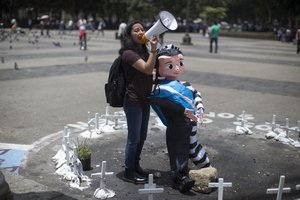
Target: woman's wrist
154	51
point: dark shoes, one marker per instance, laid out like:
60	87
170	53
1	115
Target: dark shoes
145	173
184	184
140	171
131	176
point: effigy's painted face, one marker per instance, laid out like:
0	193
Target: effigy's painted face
171	67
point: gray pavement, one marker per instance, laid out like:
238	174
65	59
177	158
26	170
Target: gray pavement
57	86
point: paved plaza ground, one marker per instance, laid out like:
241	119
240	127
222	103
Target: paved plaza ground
56	85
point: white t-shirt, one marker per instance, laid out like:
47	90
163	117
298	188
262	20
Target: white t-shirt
82	24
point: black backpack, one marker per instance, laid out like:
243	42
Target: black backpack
116	85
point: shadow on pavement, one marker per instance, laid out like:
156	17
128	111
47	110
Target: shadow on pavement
42	196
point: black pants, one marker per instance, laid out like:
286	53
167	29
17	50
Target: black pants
178	141
213	40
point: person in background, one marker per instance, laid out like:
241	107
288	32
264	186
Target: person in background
47	23
121	31
61	28
29	24
70	26
14	25
138	62
101	26
298	40
213	35
81	24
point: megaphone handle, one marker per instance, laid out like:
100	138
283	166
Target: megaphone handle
158	45
145	39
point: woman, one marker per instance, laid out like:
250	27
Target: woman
138	63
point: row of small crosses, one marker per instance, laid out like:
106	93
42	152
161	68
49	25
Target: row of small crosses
273	124
286	127
280	190
150	187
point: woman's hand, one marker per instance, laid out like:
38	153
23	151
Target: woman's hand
153	42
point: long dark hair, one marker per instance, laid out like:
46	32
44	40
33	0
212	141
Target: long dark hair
129	44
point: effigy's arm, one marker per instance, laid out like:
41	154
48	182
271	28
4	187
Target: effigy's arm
198	103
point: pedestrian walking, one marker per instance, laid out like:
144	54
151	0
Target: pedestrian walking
101	26
213	36
81	24
298	40
121	31
70	26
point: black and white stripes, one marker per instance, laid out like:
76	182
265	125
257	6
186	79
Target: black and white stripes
197	153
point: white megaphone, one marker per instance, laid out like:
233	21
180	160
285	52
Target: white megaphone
166	22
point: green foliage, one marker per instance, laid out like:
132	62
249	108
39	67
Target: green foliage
84	150
214	13
113	11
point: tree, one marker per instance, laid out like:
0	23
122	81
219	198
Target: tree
214	13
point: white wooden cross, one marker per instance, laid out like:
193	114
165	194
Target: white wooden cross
66	143
220	185
150	188
243	120
96	123
99	128
280	189
298	128
243	125
102	192
77	171
117	116
102	174
273	123
286	127
107	115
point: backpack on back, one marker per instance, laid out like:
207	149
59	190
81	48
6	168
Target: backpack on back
116	85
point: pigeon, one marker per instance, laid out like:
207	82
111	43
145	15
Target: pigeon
16	66
57	44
